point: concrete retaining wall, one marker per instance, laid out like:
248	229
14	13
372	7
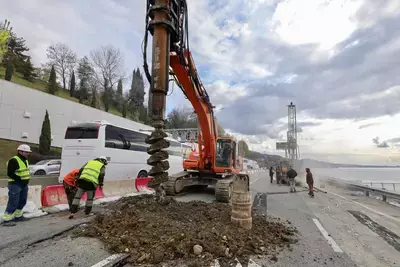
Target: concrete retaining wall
22	112
112	188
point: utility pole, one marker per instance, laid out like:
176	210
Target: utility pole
292	149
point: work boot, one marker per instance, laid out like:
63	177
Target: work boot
8	224
21	219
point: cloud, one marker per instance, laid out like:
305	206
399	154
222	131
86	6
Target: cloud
367	125
325	84
383	144
392	142
308	123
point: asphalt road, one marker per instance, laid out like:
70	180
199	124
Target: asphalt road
46	241
312	249
339	228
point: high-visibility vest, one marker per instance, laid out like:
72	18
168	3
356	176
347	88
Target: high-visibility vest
91	171
71	177
22	171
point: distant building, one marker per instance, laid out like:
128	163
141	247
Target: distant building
249	164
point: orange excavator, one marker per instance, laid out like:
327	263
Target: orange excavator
216	162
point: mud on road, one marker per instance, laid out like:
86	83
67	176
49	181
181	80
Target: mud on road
195	233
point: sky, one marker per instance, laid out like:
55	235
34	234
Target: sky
337	61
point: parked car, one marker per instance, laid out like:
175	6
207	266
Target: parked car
46	167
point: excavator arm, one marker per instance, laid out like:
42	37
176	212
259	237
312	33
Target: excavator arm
167	22
189	81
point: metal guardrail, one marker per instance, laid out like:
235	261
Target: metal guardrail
382	184
367	189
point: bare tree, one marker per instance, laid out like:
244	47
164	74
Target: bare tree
64	60
108	64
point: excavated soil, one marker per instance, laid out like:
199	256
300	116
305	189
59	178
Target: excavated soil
154	233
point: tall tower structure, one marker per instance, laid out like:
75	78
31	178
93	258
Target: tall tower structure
292	149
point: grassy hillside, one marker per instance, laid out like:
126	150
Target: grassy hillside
36	84
8	149
42	86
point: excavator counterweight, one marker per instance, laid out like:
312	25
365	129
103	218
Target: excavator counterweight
216	161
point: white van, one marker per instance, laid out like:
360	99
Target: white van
125	149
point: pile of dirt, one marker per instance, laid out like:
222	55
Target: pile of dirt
195	232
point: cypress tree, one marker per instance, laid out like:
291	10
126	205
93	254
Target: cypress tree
93	103
45	136
9	70
27	70
52	86
72	85
119	96
124	110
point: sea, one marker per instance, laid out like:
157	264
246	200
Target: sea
388	178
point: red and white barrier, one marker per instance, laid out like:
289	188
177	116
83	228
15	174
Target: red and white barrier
34	192
141	184
33	205
53	199
53	195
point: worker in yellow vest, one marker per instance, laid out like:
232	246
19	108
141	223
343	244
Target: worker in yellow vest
90	176
18	179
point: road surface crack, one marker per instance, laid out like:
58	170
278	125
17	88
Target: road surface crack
38	241
387	235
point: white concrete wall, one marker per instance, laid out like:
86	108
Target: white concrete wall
16	100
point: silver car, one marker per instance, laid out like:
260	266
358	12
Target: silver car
46	167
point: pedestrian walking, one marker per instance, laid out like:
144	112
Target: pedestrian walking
70	186
310	182
271	173
18	180
90	176
278	174
291	174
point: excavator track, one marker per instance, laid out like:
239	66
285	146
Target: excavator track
223	190
174	184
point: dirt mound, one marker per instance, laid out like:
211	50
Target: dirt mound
194	232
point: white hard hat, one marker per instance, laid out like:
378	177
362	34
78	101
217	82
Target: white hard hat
24	148
104	158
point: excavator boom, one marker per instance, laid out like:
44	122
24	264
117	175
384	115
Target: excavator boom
191	85
217	163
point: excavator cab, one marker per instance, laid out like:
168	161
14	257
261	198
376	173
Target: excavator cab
226	159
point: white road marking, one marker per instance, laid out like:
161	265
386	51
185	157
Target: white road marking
108	260
330	240
254	180
368	208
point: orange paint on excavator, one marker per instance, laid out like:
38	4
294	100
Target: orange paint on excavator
217	160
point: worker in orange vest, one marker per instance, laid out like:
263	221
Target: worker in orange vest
69	185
